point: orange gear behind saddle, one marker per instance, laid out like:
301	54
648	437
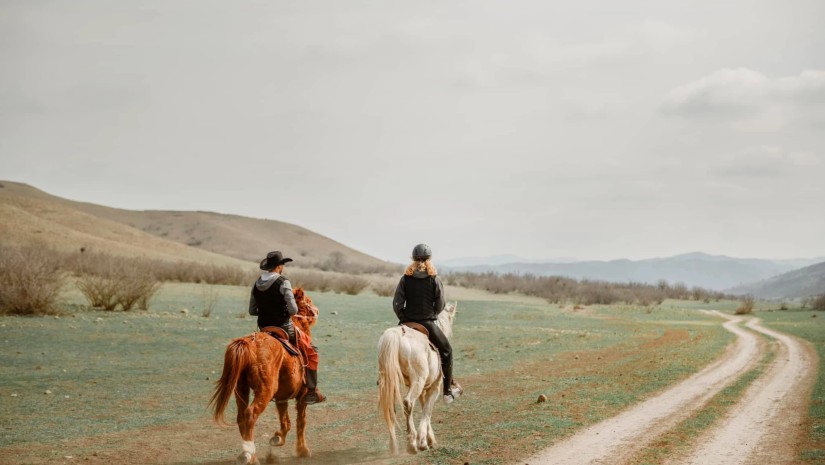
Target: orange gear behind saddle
303	341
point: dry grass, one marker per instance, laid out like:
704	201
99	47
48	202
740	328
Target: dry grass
30	280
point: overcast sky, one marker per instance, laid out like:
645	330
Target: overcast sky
592	129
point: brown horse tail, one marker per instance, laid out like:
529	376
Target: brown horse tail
237	358
390	378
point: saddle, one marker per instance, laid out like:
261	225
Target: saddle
416	326
421	329
283	337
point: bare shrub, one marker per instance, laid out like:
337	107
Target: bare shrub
100	291
209	297
558	289
818	303
746	305
30	280
310	280
124	283
350	285
384	288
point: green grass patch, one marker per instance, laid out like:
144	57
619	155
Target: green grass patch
808	325
130	373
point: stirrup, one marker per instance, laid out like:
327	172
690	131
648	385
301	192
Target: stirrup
314	397
455	393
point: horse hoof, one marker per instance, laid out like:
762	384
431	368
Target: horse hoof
276	440
422	447
303	452
411	449
245	459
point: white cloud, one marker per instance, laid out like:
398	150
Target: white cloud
766	161
750	100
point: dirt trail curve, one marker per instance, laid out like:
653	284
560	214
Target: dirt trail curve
616	440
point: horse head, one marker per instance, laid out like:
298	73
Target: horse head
307	314
447	317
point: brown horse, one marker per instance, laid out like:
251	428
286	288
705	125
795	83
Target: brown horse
260	363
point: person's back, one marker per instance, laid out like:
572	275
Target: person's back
419	298
273	302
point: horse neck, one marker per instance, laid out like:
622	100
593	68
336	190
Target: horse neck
445	324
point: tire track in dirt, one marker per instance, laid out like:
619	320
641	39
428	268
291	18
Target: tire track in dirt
617	439
764	424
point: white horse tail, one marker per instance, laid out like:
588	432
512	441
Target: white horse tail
390	379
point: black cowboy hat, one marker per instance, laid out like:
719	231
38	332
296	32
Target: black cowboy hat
273	259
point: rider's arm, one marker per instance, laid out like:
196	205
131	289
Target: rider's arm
253	305
440	303
399	300
286	290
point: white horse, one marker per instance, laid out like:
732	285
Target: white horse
406	358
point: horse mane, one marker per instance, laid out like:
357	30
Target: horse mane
307	314
445	319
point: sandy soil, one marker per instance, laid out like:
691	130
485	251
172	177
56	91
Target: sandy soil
754	434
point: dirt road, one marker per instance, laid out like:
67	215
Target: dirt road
756	432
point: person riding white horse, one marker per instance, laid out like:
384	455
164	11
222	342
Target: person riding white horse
419	298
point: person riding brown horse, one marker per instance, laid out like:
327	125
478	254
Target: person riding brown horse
273	302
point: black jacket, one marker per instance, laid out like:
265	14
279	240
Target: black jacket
272	301
419	297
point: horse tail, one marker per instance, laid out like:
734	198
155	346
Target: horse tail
390	378
237	357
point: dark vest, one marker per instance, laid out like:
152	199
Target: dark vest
420	296
272	309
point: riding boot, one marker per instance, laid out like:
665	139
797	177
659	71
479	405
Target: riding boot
313	395
452	390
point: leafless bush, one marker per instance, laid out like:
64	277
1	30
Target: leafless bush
384	288
350	285
310	280
818	302
336	261
30	280
746	305
557	289
124	283
209	297
100	291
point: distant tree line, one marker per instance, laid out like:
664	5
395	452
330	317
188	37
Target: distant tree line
557	289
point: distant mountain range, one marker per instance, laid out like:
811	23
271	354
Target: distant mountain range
716	272
803	282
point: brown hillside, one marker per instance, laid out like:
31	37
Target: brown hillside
24	209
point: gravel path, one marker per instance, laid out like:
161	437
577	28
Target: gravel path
616	440
762	428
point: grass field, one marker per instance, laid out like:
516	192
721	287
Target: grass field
810	326
133	387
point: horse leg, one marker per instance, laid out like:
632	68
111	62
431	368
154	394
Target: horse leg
425	430
279	438
416	386
301	446
263	394
247	454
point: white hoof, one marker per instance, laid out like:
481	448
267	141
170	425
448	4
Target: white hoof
246	458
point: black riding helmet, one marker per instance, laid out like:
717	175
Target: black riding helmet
422	252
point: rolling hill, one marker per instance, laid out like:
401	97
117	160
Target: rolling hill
804	282
30	215
715	272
